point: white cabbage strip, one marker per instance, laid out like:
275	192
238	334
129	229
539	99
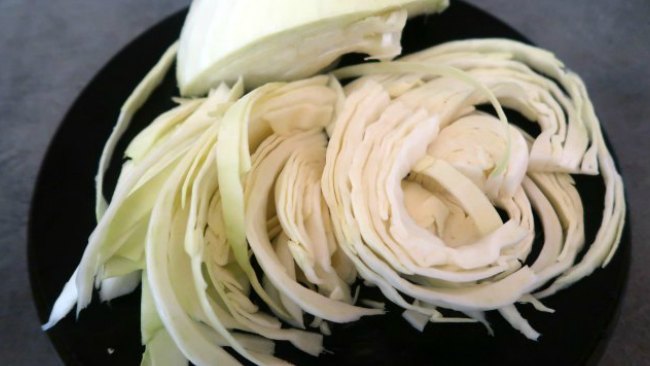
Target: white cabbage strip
397	179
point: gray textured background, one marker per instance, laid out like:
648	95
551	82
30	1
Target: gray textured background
50	49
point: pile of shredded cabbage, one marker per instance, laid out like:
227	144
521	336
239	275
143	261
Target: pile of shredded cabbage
395	179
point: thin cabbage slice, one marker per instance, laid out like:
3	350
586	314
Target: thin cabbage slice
138	186
162	351
178	311
258	189
132	104
304	218
448	82
235	300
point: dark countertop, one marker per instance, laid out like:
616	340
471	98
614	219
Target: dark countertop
51	49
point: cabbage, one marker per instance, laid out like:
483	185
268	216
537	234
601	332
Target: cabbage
396	179
414	173
223	40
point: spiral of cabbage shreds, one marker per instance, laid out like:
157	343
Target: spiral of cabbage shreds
396	179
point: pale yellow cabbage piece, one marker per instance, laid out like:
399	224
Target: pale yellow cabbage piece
396	179
268	41
410	129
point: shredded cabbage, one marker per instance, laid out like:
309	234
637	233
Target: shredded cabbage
396	179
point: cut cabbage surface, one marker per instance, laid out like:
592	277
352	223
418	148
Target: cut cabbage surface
266	41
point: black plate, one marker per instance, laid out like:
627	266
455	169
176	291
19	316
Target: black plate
62	218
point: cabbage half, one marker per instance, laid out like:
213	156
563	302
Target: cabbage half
265	41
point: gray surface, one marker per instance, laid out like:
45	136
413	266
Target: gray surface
50	49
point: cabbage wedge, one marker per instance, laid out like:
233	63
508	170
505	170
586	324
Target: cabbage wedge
223	40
